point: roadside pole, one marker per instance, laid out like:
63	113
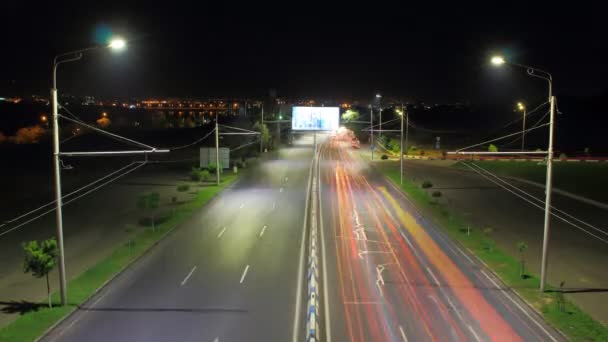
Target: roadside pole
401	148
261	124
217	150
58	201
548	189
371	125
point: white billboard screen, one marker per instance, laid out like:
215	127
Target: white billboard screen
315	118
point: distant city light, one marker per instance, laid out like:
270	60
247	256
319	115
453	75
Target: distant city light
497	60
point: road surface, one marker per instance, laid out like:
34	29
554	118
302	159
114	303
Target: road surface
227	274
393	276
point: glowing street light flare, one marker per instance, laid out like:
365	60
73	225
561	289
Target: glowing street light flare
497	60
117	44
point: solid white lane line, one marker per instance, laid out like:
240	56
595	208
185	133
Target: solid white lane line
188	276
474	333
244	274
221	232
217	339
522	309
402	334
281	189
263	230
274	205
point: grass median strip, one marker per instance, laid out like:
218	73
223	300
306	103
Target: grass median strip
31	325
557	310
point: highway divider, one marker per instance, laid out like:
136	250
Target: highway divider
312	314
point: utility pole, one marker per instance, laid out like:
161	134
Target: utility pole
58	202
217	150
523	131
380	123
401	148
371	125
548	189
262	124
407	126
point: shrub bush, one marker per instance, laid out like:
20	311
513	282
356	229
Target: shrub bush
427	184
195	175
205	175
384	157
436	194
212	167
563	156
183	187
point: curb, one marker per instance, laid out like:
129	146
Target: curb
127	266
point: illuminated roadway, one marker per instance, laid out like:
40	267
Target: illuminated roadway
231	272
393	276
227	274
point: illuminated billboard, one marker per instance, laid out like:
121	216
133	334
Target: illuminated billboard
315	118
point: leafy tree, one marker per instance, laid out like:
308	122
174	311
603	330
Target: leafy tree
492	148
149	202
427	184
103	122
28	135
350	115
264	133
2	137
40	259
211	167
521	247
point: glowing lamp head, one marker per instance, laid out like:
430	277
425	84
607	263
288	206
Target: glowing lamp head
378	96
497	60
117	44
521	106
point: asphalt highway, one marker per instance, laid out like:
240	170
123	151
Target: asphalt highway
394	276
227	274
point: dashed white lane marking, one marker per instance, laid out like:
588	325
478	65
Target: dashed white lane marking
217	339
281	189
244	274
221	233
263	230
242	206
402	334
433	276
474	333
274	205
188	276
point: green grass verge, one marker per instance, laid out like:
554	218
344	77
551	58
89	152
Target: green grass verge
31	325
581	178
572	321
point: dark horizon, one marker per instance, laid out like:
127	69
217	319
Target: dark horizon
329	52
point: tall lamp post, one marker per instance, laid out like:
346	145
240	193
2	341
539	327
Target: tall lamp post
522	108
116	44
371	126
534	72
402	113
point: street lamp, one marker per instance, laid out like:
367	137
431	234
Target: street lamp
115	44
522	108
538	73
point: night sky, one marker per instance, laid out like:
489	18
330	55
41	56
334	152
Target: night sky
306	49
